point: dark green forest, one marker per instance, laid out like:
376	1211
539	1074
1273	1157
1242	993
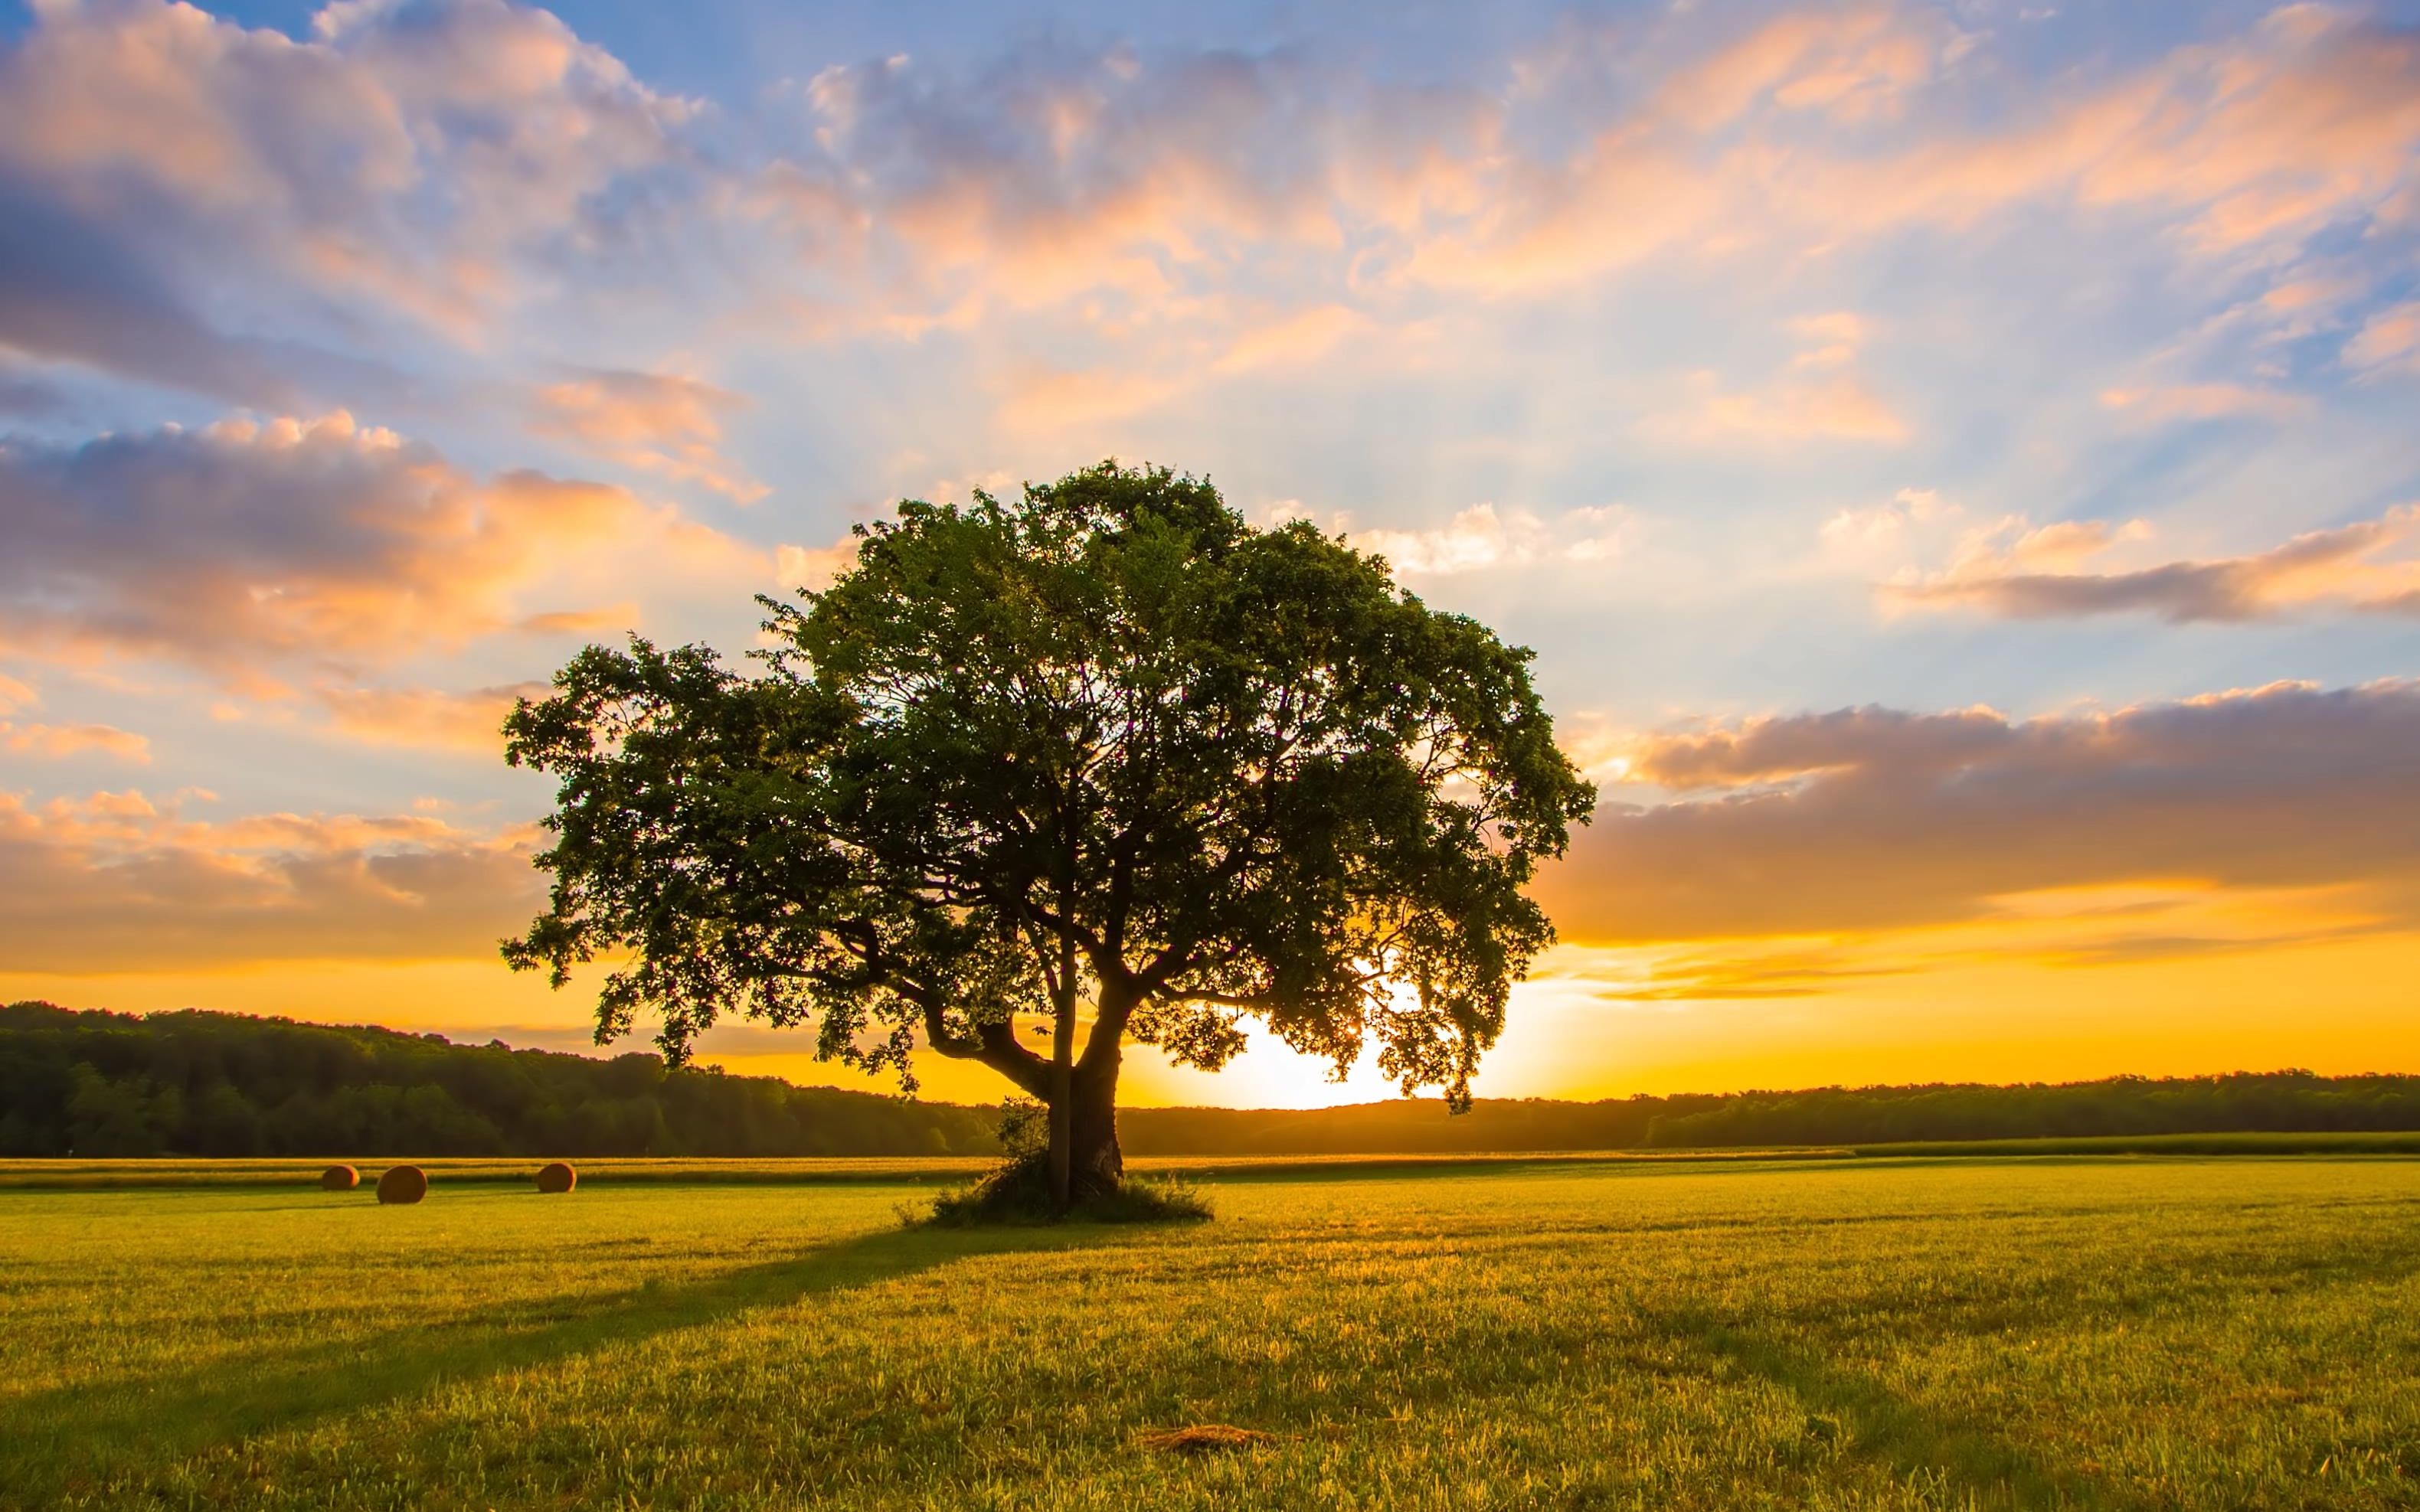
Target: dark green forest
2274	1101
196	1083
193	1083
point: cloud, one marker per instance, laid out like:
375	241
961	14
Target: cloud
320	540
1209	211
1136	184
1771	750
1475	539
1817	396
27	395
1485	539
72	291
61	740
1741	970
1051	400
813	567
2204	401
656	421
2388	341
1072	173
2304	122
2307	120
126	882
1181	347
55	741
1868	819
581	621
1878	537
1841	408
430	717
2016	571
414	158
1851	64
1293	339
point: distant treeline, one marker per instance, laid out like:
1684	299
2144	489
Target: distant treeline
2272	1102
97	1085
101	1085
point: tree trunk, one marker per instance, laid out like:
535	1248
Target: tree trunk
1062	1113
1095	1164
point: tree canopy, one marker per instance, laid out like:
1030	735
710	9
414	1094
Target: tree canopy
1104	751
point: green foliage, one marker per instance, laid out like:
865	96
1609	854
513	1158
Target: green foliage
111	1084
1107	743
2193	1335
1024	1128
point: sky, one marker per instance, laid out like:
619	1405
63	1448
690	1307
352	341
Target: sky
1958	465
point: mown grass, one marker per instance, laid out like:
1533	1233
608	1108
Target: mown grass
2186	1333
74	1174
2239	1142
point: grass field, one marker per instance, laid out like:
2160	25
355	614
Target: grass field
2175	1333
919	1170
189	1171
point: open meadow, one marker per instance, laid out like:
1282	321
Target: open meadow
2090	1333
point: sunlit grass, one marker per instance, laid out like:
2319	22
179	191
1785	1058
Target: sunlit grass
288	1171
2145	1333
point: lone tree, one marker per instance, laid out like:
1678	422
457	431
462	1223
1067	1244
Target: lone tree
1107	751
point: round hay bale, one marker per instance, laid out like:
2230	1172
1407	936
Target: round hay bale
557	1177
403	1184
339	1178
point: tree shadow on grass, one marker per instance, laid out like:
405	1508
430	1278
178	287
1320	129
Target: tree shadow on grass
82	1437
1976	1465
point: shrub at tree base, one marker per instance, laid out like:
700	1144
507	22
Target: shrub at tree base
403	1184
557	1177
339	1178
1019	1192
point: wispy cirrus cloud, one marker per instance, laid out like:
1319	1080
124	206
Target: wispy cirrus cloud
2388	341
2204	401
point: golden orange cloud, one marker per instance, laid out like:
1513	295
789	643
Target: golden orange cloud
656	421
471	722
320	540
63	740
1867	818
126	882
2016	570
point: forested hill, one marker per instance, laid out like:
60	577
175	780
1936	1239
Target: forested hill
196	1083
2274	1101
223	1084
